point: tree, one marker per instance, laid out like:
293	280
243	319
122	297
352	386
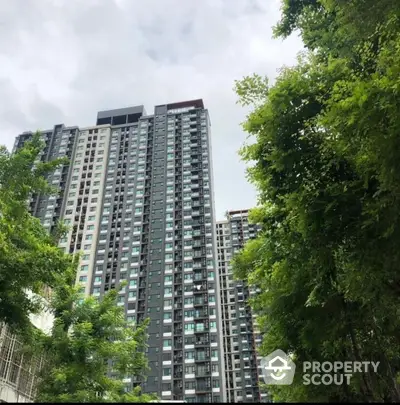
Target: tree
327	167
29	256
90	337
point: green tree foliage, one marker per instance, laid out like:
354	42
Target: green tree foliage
327	166
29	256
89	338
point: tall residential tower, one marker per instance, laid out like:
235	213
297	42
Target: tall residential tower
138	195
240	335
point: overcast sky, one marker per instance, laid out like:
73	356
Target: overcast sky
61	61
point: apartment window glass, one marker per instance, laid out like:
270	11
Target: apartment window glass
167	343
189	354
189	370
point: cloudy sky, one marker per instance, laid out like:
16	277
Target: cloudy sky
61	61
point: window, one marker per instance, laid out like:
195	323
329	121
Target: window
90	227
166	387
167	371
85	267
82	279
189	354
190	385
199	327
167	343
189	370
167	315
89	237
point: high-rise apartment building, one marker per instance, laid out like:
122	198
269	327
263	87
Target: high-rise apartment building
138	195
240	335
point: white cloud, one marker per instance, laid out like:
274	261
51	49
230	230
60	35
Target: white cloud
61	61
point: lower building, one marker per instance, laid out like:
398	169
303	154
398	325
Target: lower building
240	335
19	372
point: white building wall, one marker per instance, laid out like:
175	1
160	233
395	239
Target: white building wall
91	223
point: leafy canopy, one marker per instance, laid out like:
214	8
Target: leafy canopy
29	256
325	148
91	337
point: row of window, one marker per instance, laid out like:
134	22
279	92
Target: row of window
214	353
189	276
191	385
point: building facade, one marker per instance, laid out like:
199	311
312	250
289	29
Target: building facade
240	335
138	196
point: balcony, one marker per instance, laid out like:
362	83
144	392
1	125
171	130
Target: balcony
202	342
